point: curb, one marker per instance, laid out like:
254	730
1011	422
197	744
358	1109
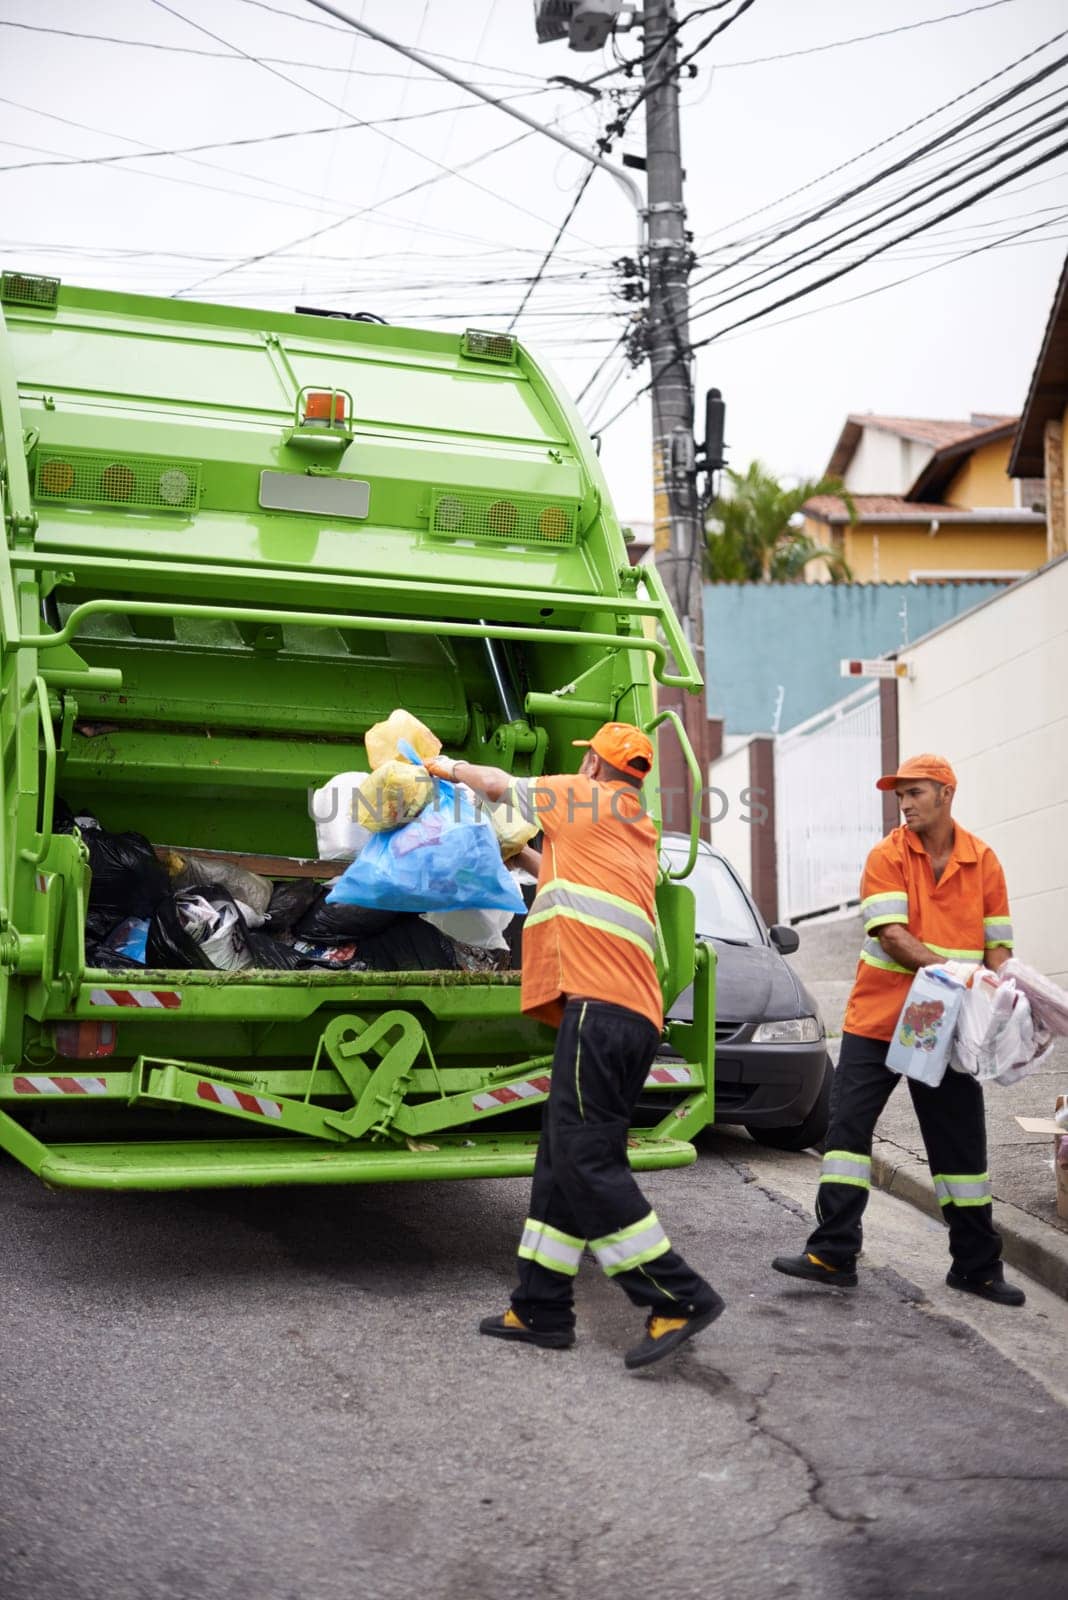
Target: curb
1031	1245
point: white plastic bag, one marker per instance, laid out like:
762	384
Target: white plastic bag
338	837
484	929
997	1040
1049	1002
923	1033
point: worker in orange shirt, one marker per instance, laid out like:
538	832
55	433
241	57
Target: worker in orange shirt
931	892
588	970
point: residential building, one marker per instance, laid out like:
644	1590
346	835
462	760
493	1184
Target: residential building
1041	442
933	501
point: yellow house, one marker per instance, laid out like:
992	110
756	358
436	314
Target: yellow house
933	501
1041	443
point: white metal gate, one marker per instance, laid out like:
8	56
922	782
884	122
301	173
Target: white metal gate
827	809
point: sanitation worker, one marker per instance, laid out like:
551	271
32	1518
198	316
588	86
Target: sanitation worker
930	892
588	946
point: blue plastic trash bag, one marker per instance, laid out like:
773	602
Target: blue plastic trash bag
447	859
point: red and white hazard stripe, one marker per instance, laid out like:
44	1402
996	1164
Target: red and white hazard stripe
39	1085
670	1075
237	1099
509	1093
148	999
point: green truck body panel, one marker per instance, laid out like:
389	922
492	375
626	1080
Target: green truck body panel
206	599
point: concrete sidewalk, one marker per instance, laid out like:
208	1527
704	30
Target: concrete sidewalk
1021	1164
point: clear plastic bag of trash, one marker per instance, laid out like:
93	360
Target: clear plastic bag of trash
482	929
382	742
998	1040
198	872
447	859
392	795
338	835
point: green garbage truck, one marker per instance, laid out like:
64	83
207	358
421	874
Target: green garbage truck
234	541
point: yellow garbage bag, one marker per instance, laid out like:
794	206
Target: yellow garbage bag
382	740
511	830
392	795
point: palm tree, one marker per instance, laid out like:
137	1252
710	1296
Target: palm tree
755	535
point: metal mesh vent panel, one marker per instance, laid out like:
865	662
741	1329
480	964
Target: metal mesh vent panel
142	483
503	518
488	346
28	289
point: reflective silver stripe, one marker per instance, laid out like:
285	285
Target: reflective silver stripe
963	1188
880	909
598	912
524	800
550	1248
631	1247
843	1166
998	930
872	952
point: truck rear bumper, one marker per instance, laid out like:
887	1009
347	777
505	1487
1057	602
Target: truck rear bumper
254	1163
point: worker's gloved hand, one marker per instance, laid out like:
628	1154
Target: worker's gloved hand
442	767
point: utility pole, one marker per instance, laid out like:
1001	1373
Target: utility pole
678	537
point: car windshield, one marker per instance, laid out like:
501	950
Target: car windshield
722	910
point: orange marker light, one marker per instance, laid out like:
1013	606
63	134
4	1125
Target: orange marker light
317	407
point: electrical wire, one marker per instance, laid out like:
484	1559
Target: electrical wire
219	55
561	230
952	211
862	38
903	161
891	137
798	264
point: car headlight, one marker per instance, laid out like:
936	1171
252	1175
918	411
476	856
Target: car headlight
797	1030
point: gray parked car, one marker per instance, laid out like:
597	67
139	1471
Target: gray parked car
773	1073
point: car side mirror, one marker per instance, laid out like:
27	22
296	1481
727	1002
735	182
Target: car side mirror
785	940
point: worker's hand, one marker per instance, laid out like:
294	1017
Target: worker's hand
442	767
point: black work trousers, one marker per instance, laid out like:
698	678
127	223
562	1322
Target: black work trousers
584	1191
953	1126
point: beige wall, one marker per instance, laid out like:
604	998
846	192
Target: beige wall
989	692
884	463
731	835
983	480
895	552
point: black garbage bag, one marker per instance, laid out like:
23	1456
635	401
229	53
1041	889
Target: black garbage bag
289	901
323	924
127	881
62	816
409	945
169	945
272	953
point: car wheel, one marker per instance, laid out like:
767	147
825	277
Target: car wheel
812	1131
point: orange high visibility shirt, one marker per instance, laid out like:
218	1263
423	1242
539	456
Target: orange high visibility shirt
959	917
591	930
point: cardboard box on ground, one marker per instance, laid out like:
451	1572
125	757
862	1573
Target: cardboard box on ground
1057	1125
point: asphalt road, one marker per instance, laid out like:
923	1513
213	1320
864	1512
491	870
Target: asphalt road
281	1396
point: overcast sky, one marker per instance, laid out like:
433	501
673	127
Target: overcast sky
325	219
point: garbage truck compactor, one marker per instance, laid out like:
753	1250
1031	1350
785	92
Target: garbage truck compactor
235	540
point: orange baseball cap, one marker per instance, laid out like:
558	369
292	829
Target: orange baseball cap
925	766
623	746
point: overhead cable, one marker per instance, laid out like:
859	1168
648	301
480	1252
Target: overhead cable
863	38
899	133
805	258
903	161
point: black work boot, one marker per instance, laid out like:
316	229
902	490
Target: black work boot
664	1334
813	1270
993	1288
509	1326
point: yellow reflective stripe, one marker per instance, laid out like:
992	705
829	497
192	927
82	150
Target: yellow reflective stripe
881	962
878	910
534	918
596	894
883	920
954	955
998	930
